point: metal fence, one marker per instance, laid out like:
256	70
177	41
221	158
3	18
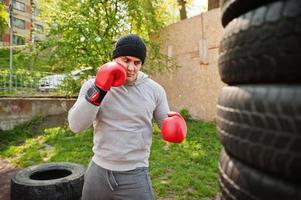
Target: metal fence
26	83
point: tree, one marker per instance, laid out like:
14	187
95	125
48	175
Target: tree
182	6
3	19
183	13
213	4
83	32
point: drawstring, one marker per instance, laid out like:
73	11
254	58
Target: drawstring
114	178
108	174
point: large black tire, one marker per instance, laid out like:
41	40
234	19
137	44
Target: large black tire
241	182
261	125
234	8
51	181
263	46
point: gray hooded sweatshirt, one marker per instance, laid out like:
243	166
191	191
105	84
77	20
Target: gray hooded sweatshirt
122	123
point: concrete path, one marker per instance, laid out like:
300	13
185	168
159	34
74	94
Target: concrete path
6	173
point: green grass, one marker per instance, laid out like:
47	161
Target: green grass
24	146
187	170
178	171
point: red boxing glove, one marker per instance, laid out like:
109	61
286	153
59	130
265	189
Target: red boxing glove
111	74
174	128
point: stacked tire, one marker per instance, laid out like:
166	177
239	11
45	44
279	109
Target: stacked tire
259	112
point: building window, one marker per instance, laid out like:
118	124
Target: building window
39	28
18	40
20	23
19	6
36	11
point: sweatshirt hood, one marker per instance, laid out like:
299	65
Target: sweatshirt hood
141	78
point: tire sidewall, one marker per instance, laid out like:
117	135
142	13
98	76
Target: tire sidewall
23	176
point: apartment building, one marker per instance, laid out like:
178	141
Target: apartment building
26	26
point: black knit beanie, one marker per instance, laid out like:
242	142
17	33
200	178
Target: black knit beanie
130	45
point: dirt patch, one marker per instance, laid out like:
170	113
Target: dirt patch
6	173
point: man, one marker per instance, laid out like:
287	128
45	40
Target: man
121	103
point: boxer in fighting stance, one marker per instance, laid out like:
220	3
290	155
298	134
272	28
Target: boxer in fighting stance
120	103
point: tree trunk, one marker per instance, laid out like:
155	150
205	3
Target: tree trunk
213	4
183	14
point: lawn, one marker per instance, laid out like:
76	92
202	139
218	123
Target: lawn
178	171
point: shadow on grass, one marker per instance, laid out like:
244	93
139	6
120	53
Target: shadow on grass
45	140
178	171
20	133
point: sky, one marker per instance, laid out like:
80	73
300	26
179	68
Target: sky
197	7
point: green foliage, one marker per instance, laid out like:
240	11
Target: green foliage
26	57
185	114
179	171
70	87
25	82
20	59
83	33
21	78
3	18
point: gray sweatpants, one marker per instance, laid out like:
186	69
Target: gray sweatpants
102	184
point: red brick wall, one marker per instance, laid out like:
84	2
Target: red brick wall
6	2
28	25
5	38
28	9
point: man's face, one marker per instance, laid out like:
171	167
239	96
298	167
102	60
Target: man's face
132	66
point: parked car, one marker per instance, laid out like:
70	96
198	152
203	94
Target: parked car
52	82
